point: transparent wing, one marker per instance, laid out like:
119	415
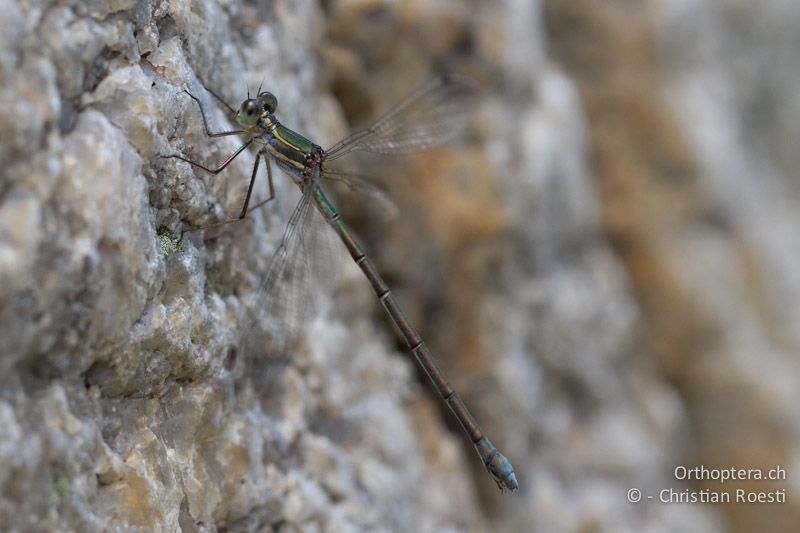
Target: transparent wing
279	303
365	185
284	299
433	115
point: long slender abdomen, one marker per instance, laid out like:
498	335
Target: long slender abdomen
494	461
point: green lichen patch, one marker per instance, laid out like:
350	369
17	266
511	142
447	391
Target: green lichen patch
170	243
59	489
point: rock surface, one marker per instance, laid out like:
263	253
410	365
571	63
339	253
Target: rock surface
603	265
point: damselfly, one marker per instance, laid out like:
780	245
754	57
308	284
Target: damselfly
429	117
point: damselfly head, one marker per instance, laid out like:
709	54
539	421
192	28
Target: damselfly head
252	108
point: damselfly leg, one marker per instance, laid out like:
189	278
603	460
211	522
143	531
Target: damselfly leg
228	160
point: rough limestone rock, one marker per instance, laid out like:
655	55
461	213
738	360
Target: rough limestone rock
603	264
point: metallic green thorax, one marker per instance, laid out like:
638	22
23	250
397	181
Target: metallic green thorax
289	148
293	139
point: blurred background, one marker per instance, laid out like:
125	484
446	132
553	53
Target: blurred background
604	264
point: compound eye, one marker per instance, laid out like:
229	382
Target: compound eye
268	101
248	113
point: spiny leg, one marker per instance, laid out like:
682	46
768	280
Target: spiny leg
205	120
245	209
210	170
231	110
215	172
228	160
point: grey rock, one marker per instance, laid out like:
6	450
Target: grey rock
139	386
